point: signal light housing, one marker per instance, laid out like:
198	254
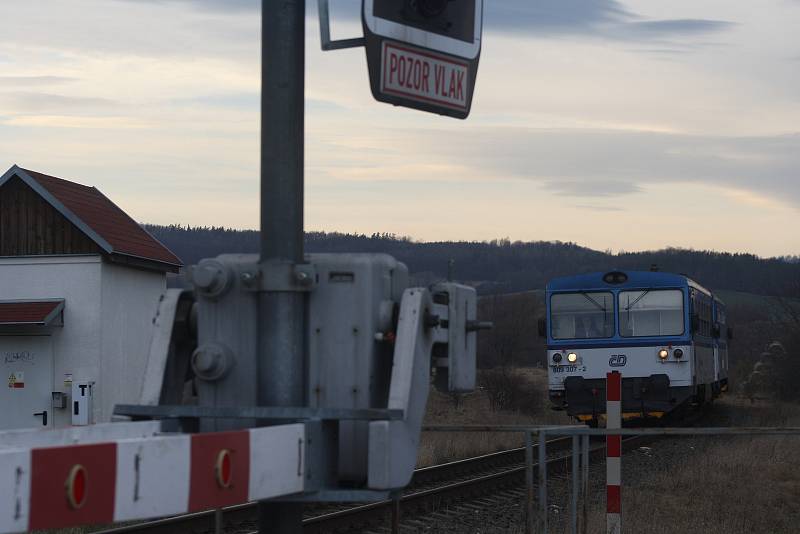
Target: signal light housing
615	277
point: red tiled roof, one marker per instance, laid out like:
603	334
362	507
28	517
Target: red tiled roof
29	312
106	219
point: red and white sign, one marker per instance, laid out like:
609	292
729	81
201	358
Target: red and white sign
424	76
16	380
52	485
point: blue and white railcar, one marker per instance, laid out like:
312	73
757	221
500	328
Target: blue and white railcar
664	333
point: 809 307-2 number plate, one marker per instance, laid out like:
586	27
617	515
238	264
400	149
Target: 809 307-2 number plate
566	368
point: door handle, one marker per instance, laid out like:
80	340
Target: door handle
44	417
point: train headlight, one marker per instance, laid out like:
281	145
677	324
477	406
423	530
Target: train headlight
557	357
678	353
663	354
572	357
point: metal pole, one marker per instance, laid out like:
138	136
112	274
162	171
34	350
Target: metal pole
280	363
573	502
585	484
528	482
396	515
543	480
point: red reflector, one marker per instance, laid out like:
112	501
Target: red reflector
224	469
215	481
77	486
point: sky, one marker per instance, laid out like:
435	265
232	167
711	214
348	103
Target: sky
618	125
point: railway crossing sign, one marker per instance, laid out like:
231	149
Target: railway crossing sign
424	54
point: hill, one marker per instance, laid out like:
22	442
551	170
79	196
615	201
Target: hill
502	266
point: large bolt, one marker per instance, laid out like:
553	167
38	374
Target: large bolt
212	362
210	278
302	277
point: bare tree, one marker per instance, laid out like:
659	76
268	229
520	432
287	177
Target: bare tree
514	317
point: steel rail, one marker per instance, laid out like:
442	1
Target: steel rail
423	477
433	498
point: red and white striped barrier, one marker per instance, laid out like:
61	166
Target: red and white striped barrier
143	477
613	453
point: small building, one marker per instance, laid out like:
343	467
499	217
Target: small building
80	281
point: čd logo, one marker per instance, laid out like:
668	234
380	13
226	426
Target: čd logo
618	360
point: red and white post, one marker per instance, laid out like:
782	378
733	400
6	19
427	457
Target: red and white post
613	453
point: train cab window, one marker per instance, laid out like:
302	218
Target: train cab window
656	312
583	315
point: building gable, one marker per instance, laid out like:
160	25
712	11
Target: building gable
91	215
29	226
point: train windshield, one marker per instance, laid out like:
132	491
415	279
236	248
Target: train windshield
582	315
651	312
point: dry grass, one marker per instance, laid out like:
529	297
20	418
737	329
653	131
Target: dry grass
716	485
722	485
474	408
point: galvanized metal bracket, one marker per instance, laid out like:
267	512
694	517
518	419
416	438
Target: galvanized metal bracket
279	277
393	445
325	32
281	413
174	340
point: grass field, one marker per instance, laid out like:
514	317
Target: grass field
716	485
719	485
475	409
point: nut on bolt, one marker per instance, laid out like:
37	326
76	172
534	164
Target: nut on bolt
302	276
212	361
211	278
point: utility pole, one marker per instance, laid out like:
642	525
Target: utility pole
281	354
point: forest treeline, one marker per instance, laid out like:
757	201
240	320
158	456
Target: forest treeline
503	266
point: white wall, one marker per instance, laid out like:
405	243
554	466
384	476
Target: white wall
108	314
77	279
129	301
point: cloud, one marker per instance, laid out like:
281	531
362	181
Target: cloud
212	5
39	103
608	163
30	81
677	26
70	121
554	15
606	18
605	209
593	188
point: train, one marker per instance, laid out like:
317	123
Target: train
664	333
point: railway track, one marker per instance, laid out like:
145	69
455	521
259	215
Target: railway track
417	504
431	490
430	486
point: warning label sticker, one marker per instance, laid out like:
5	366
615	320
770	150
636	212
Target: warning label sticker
16	380
424	76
